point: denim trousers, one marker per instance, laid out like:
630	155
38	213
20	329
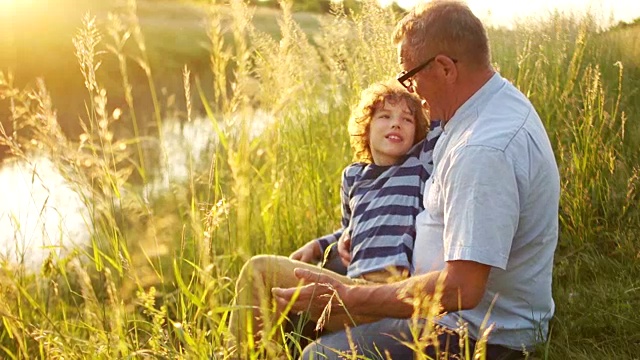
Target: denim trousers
387	337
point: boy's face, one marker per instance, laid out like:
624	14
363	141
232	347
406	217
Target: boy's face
391	132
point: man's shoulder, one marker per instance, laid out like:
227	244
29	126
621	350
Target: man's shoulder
506	118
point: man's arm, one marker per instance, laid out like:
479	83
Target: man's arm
463	284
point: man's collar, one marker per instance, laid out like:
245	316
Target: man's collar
474	105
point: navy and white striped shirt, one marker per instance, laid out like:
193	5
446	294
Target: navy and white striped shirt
379	209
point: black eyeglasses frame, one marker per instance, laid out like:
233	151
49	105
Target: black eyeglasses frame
404	77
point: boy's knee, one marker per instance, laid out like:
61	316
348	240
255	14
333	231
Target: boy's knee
258	266
253	265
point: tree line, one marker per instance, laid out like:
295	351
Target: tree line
316	6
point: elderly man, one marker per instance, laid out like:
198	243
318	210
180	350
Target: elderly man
491	208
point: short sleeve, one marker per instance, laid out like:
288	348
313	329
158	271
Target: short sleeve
481	206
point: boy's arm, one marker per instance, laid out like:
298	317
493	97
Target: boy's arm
314	249
308	253
345	189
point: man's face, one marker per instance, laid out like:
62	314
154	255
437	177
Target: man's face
425	82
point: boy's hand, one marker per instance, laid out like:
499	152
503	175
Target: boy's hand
308	253
314	296
344	248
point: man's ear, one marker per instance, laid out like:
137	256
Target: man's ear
449	68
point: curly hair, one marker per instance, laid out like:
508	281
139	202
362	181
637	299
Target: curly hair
374	98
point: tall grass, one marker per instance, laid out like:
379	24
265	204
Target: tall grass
157	279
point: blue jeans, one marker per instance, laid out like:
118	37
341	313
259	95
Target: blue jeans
375	339
372	340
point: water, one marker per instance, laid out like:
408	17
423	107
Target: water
189	146
185	147
40	214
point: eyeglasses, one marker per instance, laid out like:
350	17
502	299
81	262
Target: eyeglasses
405	77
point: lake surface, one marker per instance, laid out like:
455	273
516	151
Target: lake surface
43	214
40	213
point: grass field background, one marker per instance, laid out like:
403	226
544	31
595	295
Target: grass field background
253	105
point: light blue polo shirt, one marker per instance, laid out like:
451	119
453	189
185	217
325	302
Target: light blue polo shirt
493	198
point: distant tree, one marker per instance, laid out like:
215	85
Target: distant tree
397	9
265	3
624	24
317	6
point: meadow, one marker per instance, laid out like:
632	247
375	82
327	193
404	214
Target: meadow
273	89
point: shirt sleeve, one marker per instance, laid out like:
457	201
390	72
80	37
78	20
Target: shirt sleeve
481	206
345	188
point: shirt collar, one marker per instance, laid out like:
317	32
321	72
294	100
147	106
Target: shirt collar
474	105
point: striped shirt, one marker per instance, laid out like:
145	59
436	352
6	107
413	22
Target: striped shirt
379	209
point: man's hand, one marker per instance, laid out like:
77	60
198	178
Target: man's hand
320	290
344	248
308	253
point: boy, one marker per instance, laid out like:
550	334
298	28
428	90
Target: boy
381	195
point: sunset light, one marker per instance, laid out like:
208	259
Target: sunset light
7	5
11	8
264	179
505	12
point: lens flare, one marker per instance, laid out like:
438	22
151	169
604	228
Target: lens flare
8	4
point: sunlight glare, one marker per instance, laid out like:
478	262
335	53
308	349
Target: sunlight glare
41	214
506	12
7	4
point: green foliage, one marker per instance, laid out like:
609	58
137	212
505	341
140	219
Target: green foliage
158	277
316	6
623	25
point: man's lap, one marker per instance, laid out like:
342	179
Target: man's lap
376	339
372	340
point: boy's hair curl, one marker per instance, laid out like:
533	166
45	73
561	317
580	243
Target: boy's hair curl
374	98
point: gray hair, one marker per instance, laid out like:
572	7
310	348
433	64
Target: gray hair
445	27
